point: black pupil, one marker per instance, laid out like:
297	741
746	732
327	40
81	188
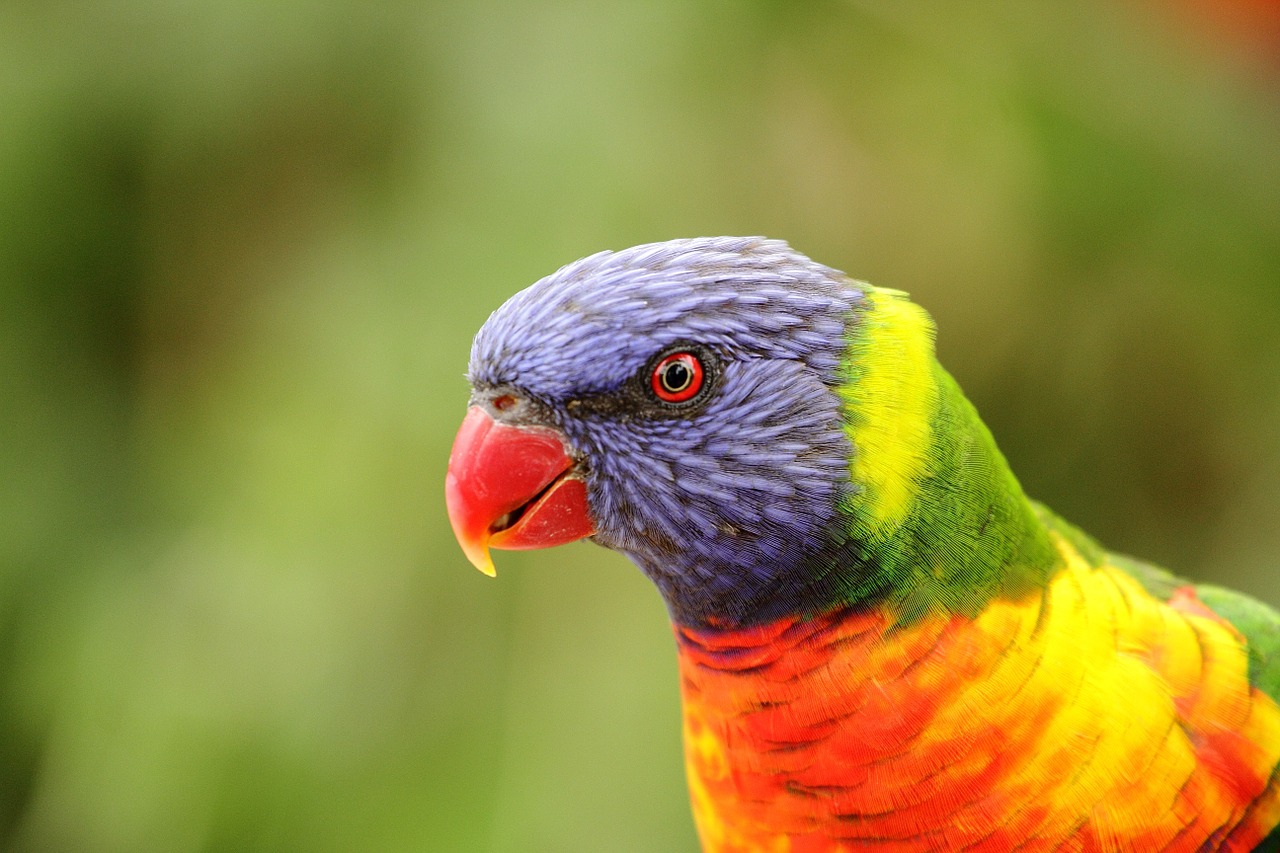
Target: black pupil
677	376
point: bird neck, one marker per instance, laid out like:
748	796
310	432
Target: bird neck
933	521
938	521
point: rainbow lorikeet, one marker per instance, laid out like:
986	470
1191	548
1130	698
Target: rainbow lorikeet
883	643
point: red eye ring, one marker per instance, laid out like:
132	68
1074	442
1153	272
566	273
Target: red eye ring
677	378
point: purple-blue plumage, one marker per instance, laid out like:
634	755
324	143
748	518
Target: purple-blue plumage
755	298
693	494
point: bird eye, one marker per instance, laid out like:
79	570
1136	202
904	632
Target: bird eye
677	378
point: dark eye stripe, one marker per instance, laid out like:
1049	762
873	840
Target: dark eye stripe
654	391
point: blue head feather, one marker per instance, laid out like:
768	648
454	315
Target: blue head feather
731	506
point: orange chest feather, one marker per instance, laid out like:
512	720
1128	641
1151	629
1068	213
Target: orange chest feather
1093	718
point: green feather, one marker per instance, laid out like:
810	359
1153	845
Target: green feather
943	522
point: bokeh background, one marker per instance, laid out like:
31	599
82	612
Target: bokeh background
243	249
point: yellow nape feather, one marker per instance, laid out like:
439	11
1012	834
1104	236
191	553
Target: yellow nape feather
889	401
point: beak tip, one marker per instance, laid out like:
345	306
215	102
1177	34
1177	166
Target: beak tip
476	550
467	528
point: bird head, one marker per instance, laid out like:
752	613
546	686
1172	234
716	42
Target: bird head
683	403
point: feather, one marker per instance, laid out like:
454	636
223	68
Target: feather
884	644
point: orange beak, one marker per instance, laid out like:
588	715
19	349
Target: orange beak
512	487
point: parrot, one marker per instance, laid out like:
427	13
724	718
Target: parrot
882	643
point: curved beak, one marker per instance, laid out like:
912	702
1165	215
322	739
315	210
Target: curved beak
512	487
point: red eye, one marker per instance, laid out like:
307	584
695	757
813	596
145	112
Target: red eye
677	378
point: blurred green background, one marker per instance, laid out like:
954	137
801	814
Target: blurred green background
244	247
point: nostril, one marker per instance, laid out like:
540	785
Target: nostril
504	403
